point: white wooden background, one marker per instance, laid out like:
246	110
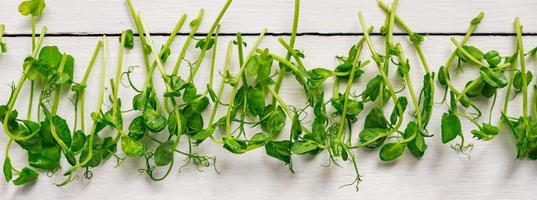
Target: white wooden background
491	173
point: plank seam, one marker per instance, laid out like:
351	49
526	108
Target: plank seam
269	34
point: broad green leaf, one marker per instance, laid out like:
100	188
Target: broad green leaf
451	127
154	120
132	147
79	139
373	136
32	7
391	151
280	150
375	119
137	128
27	175
256	100
164	153
203	134
8	169
48	157
494	78
302	147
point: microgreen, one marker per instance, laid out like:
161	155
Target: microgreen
3	46
179	109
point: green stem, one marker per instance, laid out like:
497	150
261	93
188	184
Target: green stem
508	92
195	24
235	86
33	33
520	48
213	58
292	40
285	107
18	88
468	55
221	89
140	34
83	83
209	35
100	101
31	100
380	69
403	60
2	30
115	103
341	127
469	33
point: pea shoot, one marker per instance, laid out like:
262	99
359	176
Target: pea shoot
3	46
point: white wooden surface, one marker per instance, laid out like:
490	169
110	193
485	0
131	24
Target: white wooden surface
104	16
491	173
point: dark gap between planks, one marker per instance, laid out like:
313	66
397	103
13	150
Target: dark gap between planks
269	34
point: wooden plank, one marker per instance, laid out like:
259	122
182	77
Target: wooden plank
440	174
336	16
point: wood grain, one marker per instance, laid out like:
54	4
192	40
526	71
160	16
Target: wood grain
490	173
325	16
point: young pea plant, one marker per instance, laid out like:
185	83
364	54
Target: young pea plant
91	152
424	108
377	129
35	9
245	99
491	78
3	46
523	127
26	132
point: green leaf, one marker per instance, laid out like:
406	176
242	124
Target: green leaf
27	175
417	146
33	7
280	150
274	120
486	132
302	147
373	136
154	121
194	122
62	130
451	127
517	82
296	127
137	128
3	47
375	119
203	134
48	157
317	76
164	153
79	139
493	58
129	39
132	147
473	51
443	76
95	159
234	146
205	43
391	151
416	38
372	88
8	169
256	100
398	109
403	68
172	123
494	78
